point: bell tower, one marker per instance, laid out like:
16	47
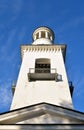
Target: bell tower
42	76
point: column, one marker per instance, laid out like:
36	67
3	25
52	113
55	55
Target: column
51	38
46	33
35	37
39	34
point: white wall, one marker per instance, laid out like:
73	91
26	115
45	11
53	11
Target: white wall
28	93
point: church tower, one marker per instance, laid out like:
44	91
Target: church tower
42	77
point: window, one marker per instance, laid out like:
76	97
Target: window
42	65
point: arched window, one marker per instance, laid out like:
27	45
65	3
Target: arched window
42	65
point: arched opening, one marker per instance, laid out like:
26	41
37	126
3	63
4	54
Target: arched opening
42	65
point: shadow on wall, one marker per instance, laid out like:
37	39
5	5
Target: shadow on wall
67	104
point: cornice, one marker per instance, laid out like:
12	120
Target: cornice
43	48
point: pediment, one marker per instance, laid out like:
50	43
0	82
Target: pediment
42	114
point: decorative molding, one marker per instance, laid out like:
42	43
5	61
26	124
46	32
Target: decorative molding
43	48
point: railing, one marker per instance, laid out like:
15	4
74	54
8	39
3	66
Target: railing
42	70
42	74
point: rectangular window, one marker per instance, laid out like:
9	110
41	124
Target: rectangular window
42	66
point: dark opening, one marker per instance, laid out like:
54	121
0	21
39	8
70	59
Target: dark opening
42	65
42	34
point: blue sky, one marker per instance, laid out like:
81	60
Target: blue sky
19	18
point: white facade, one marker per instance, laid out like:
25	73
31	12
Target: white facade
36	87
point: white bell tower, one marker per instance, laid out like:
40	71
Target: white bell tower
42	76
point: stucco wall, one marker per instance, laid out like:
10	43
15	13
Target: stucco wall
28	93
